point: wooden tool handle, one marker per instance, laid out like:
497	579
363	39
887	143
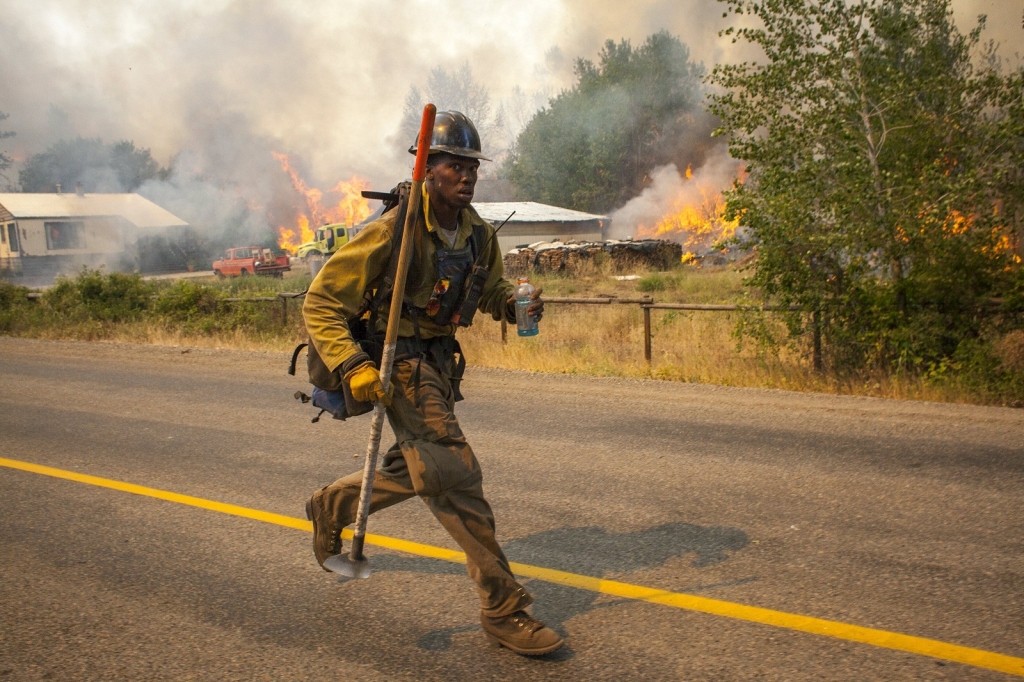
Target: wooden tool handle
412	216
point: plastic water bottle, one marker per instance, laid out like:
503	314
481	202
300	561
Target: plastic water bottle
526	323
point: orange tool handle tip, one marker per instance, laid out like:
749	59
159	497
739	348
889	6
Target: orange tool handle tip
419	171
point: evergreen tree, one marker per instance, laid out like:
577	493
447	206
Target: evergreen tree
593	147
116	167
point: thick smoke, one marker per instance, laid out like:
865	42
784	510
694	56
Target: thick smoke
670	190
327	85
214	87
227	184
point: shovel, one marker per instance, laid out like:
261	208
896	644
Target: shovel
355	564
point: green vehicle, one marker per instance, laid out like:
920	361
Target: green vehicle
329	239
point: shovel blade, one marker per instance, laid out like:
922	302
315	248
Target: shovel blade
343	564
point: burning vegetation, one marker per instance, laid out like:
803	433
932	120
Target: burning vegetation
697	225
343	203
687	208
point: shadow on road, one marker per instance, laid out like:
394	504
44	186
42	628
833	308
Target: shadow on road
591	551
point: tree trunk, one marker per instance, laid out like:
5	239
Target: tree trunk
874	149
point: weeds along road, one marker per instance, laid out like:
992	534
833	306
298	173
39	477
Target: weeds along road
902	517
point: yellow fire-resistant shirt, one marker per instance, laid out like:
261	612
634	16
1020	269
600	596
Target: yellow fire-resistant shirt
336	293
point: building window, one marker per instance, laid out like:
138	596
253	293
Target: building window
12	234
64	235
3	234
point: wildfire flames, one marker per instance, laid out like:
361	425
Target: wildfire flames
321	208
1003	239
695	219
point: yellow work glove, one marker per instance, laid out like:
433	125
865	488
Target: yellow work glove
365	383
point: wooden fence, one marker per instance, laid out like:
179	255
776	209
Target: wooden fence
646	303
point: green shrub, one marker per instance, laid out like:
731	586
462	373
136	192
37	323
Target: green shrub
185	301
11	295
993	370
202	309
97	296
653	282
14	306
244	287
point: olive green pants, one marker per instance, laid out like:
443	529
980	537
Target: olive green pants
433	460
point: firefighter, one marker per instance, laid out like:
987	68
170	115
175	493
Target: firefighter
431	458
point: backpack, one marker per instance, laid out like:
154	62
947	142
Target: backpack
331	392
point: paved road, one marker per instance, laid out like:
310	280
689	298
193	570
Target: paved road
906	517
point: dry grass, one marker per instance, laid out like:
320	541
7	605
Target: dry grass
600	340
608	340
696	347
240	339
273	338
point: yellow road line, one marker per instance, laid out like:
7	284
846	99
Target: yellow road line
791	621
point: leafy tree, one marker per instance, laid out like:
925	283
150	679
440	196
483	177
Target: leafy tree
116	167
885	174
592	148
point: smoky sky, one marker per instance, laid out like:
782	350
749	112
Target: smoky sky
227	81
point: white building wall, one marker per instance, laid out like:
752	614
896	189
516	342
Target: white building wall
515	234
5	245
102	235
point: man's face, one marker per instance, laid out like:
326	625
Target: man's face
452	180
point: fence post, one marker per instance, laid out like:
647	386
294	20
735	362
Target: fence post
647	333
816	323
284	310
504	332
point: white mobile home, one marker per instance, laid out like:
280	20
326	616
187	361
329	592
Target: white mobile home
42	235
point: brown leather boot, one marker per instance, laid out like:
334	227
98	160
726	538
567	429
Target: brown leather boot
326	538
521	633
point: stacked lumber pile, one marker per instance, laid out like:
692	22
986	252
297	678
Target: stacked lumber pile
658	254
573	257
518	262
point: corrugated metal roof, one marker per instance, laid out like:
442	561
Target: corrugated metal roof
530	212
136	209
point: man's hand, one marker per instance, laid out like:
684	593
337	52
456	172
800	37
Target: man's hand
536	308
365	383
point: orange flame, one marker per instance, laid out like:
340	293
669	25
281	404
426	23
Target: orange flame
351	207
956	223
1003	240
700	224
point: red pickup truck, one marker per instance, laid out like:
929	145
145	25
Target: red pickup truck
251	260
